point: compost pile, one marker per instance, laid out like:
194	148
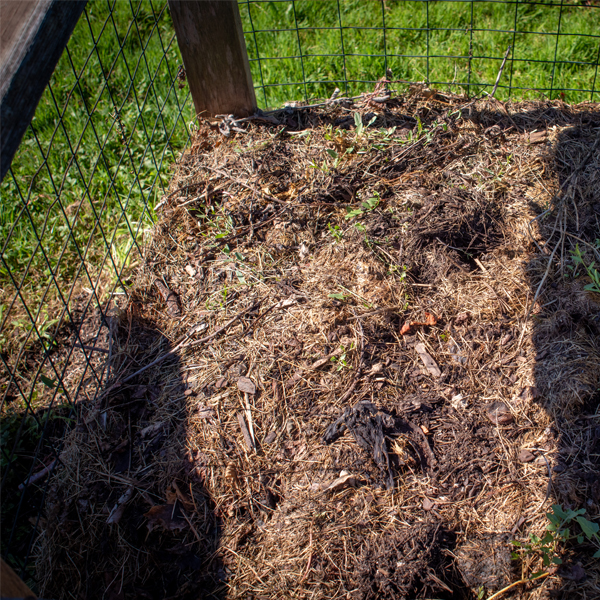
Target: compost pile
362	355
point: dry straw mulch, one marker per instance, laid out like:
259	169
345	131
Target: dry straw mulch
371	365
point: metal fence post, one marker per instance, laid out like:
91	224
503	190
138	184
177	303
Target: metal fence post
211	40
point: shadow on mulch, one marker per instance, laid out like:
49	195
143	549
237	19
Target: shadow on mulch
134	492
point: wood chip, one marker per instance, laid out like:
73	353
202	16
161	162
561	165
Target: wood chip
169	297
119	508
525	456
246	385
220	383
245	432
499	414
427	360
537	137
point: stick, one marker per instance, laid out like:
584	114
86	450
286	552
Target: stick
249	417
37	476
245	432
500	72
512	585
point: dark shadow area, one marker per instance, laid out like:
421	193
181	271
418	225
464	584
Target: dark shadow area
126	515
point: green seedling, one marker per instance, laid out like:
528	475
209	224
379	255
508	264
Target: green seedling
336	233
338	296
366	206
360	127
341	360
558	532
592	272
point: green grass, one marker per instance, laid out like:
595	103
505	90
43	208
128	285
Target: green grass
453	31
90	183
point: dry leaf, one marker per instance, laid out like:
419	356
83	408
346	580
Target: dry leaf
151	429
119	508
410	326
537	137
345	479
499	414
246	385
205	412
169	297
163	516
427	360
428	504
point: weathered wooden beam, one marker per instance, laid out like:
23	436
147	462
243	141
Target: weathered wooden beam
33	34
11	585
211	40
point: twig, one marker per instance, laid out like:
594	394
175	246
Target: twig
549	479
37	476
245	432
184	188
516	583
500	71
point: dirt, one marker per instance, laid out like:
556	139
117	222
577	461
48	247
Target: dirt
384	306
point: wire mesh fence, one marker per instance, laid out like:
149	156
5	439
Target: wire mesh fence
79	196
302	49
75	205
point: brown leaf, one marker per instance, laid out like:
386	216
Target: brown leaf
165	516
499	414
246	385
119	508
152	429
525	456
537	137
410	326
427	360
220	383
345	479
169	297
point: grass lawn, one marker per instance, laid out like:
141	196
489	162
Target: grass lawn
93	162
423	41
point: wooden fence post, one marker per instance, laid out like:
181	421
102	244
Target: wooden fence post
34	34
211	40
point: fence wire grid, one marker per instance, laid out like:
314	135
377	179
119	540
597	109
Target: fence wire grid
80	193
75	205
302	49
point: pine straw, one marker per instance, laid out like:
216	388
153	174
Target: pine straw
256	226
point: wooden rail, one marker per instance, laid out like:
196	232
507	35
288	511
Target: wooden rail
33	34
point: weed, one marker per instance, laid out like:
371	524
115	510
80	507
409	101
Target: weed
336	233
558	532
341	361
367	206
592	272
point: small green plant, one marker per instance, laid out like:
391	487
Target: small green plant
336	233
338	296
367	206
360	127
341	361
558	532
592	272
